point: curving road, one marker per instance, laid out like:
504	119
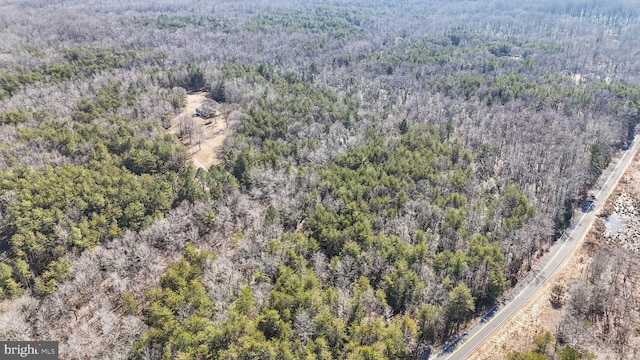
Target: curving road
463	347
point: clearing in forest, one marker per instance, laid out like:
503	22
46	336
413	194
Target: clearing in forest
203	137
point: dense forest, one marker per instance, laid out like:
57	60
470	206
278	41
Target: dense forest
394	168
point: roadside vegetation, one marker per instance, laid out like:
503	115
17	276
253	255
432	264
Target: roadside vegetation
391	171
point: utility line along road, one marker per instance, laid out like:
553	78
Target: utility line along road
464	346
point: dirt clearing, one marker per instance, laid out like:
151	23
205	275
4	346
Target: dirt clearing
203	137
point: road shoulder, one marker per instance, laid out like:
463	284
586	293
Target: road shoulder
538	315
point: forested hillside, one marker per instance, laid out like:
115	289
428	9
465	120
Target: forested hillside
394	168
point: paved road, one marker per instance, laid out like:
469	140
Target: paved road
464	346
